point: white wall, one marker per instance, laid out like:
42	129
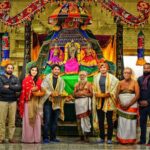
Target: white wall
130	61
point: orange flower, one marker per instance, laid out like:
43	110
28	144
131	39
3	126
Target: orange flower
144	5
2	5
29	10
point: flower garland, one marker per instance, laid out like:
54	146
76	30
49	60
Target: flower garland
116	10
4	6
26	14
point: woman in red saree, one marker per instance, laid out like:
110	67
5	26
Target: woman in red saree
29	107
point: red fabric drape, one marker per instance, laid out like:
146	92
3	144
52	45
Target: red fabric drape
27	84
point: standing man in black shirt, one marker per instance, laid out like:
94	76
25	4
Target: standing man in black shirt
53	103
144	101
9	86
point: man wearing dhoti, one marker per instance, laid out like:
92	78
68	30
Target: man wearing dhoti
53	103
128	94
83	93
104	101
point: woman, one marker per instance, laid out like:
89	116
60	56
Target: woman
28	107
128	94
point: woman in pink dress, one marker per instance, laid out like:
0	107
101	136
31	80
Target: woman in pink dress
29	107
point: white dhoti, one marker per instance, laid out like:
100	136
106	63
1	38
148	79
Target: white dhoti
83	109
127	121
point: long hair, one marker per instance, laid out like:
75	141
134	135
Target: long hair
37	75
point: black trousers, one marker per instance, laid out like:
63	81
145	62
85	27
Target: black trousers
101	118
144	114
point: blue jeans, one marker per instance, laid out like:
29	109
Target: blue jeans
144	113
50	120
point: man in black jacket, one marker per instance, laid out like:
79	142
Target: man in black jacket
144	101
9	88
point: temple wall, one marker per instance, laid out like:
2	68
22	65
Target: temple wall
103	23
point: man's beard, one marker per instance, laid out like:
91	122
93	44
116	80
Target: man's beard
8	73
56	74
146	73
83	81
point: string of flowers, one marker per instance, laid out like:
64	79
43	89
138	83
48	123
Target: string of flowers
126	17
110	5
26	14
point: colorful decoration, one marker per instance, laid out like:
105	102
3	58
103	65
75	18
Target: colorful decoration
26	14
77	13
4	6
72	57
116	10
72	13
141	61
5	49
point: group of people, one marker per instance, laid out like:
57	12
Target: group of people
93	101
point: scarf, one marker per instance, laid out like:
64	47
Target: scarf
26	93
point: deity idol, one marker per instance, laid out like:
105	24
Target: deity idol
72	57
88	56
56	55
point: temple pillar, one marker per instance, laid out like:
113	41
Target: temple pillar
119	50
27	47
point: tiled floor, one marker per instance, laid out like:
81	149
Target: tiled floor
69	143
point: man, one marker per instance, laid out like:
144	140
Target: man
144	101
83	93
9	88
105	100
53	103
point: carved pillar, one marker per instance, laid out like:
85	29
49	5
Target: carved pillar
27	58
27	47
119	50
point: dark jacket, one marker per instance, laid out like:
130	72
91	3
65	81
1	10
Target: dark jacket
144	93
9	94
